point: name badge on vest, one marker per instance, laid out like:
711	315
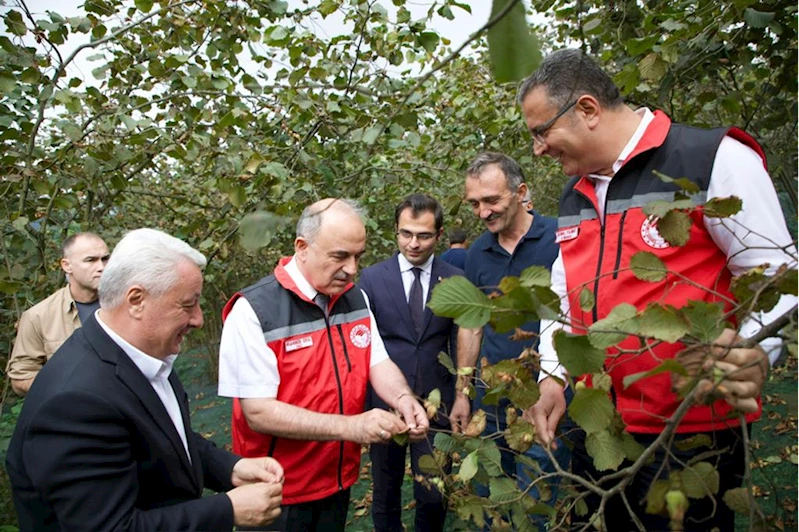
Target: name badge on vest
298	343
567	233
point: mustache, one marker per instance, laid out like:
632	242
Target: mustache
341	276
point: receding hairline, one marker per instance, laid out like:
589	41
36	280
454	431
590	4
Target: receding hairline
72	240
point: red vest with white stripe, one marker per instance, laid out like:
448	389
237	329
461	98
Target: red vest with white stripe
597	257
323	366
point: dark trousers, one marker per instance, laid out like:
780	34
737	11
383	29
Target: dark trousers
388	471
325	515
703	514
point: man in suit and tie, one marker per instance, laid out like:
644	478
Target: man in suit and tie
398	290
104	440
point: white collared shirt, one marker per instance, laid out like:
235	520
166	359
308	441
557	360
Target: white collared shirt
408	276
247	365
157	374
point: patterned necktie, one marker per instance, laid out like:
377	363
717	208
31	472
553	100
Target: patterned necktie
415	301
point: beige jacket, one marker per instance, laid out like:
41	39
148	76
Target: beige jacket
42	330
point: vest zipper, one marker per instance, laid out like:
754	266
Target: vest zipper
618	245
340	404
343	343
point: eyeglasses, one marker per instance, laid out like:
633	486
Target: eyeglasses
539	132
421	237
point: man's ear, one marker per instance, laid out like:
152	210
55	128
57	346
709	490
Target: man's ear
300	248
135	297
589	109
66	265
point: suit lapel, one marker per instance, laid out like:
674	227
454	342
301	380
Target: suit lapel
140	387
183	402
393	279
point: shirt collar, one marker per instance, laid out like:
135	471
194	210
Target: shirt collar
535	231
405	266
151	367
299	279
646	118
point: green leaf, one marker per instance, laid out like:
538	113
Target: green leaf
700	480
591	409
694	442
503	490
434	397
455	297
7	83
429	41
444	442
257	229
428	464
605	450
656	497
371	134
143	5
737	499
513	49
328	7
468	467
662	323
587	300
675	228
577	354
614	328
647	266
706	320
668	365
535	276
15	24
723	207
445	360
470	509
520	435
652	67
525	394
401	439
758	19
490	457
661	208
632	449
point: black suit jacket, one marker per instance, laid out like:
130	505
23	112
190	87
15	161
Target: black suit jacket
94	449
416	356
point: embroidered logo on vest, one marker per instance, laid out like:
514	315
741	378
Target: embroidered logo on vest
361	336
567	233
649	232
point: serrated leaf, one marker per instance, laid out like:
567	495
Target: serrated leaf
683	182
577	354
591	409
661	208
656	497
520	435
675	228
631	448
503	490
143	5
434	397
647	266
445	360
490	457
586	300
723	207
601	381
444	442
14	23
525	394
662	323
514	51
700	480
401	439
7	83
535	276
652	67
470	509
468	467
758	19
257	229
614	328
605	449
668	365
371	134
455	297
706	320
694	442
737	500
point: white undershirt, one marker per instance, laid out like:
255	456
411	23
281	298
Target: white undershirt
408	276
157	373
247	365
748	239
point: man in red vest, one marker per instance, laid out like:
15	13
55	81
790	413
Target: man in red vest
577	116
297	351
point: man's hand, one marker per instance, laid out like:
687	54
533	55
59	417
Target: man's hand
251	470
546	413
256	504
415	417
744	370
459	416
373	426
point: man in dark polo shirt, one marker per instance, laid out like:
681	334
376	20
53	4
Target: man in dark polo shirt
515	240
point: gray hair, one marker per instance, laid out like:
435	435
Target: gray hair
513	172
568	74
148	258
311	218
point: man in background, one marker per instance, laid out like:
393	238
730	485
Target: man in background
398	289
45	326
104	440
456	254
297	351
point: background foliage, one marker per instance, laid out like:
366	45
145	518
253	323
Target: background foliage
200	112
